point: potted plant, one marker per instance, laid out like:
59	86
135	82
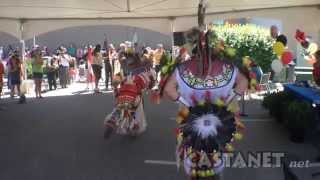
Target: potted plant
298	118
276	104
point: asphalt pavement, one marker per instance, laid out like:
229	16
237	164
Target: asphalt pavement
61	138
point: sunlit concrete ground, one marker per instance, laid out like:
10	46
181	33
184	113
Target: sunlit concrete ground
74	88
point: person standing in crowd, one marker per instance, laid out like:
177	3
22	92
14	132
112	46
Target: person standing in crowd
15	71
256	70
63	59
110	65
150	54
1	76
52	68
71	50
107	68
316	68
97	65
79	54
45	51
105	42
72	70
89	71
157	58
112	54
145	56
82	71
136	48
37	71
116	64
122	59
1	53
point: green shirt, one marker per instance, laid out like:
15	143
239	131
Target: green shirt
36	68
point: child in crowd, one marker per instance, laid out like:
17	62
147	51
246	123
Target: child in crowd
72	70
52	69
82	71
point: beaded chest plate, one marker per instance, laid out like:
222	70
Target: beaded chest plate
209	82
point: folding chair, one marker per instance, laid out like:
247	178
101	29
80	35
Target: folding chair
265	82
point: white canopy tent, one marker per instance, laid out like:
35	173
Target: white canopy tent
28	18
61	9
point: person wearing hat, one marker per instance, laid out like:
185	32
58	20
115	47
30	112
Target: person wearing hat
63	60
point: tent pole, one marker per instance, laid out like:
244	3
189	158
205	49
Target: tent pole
34	41
128	6
23	49
172	33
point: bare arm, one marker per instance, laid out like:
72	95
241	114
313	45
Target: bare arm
170	89
241	84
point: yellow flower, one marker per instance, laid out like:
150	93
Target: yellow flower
233	107
253	82
180	138
246	61
201	103
229	148
193	173
238	136
219	102
230	52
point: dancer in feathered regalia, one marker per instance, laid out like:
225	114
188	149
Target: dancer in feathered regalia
128	118
207	87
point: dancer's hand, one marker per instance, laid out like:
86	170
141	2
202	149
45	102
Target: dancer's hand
183	101
232	96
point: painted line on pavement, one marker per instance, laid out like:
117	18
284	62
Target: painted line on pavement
315	164
160	162
173	163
